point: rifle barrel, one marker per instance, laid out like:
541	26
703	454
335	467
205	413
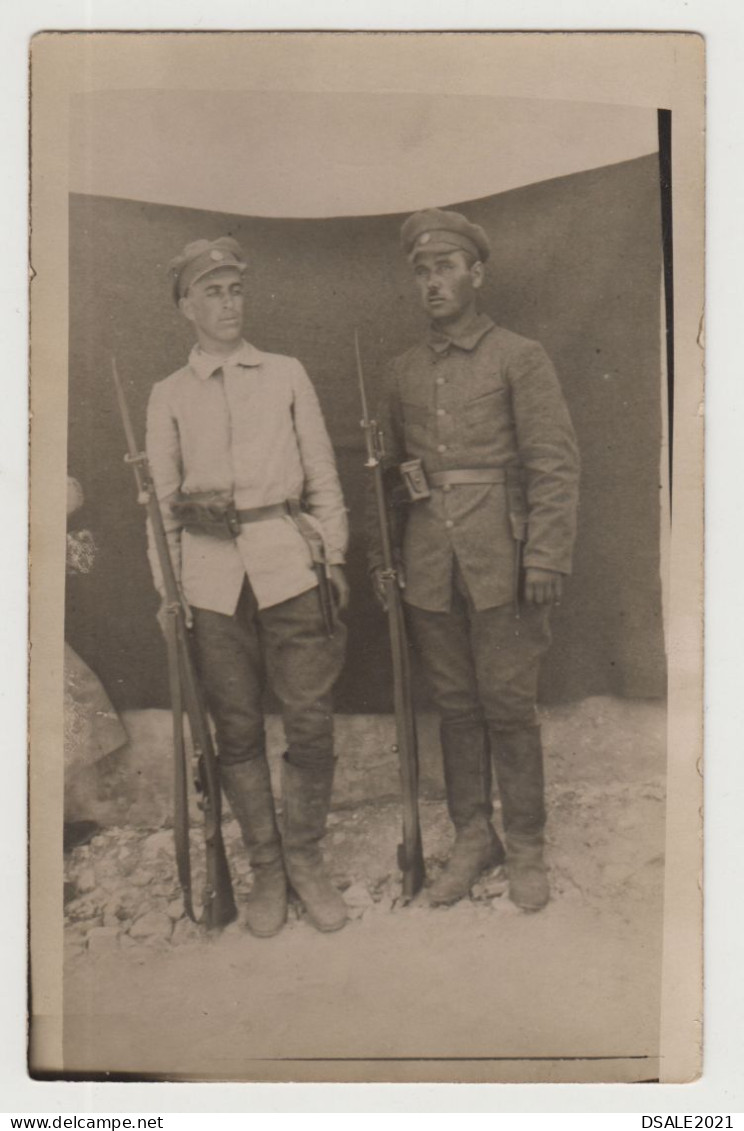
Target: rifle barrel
374	463
219	908
410	854
366	423
124	411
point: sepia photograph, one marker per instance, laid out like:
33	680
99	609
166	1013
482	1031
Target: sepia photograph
360	738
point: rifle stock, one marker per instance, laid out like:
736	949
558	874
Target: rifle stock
410	851
218	904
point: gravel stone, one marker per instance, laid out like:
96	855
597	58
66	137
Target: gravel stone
81	909
86	880
153	925
357	895
159	842
140	878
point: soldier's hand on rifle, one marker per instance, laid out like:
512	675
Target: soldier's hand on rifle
378	585
163	614
340	585
542	587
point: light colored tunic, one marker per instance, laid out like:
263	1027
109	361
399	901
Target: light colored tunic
249	425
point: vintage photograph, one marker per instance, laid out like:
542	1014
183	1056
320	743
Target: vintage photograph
365	413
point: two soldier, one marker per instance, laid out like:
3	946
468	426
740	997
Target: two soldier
240	432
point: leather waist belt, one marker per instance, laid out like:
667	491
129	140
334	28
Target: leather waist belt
466	477
258	514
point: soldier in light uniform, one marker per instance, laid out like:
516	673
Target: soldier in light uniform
247	483
485	553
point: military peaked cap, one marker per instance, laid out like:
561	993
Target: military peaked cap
199	258
437	230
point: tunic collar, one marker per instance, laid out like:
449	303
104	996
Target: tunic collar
205	365
466	339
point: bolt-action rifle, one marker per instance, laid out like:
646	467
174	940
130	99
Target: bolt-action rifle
218	905
410	852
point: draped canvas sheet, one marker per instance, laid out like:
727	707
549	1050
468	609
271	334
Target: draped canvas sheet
576	264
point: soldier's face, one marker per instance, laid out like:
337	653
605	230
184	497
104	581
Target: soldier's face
214	304
447	283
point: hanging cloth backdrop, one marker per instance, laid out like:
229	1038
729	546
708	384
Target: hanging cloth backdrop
576	264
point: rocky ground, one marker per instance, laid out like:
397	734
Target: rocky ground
145	988
122	889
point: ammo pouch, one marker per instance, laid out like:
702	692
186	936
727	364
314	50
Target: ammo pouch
207	512
414	481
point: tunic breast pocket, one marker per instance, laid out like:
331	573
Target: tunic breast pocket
416	419
483	415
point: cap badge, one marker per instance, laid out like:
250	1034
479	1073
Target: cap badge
216	255
424	237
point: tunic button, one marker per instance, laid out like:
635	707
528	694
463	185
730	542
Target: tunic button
441	381
449	524
447	487
442	448
441	412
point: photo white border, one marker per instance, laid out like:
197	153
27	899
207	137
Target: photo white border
721	1086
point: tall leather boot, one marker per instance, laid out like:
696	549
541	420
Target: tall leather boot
307	798
247	786
519	772
467	776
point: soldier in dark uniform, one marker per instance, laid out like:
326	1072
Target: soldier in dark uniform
485	554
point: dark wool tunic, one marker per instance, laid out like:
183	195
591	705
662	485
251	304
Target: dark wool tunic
485	399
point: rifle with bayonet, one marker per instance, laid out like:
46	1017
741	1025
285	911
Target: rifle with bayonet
410	852
218	905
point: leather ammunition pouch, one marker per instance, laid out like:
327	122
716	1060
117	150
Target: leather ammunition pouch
215	513
414	480
418	486
207	512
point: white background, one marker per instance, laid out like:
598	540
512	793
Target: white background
316	154
722	1086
